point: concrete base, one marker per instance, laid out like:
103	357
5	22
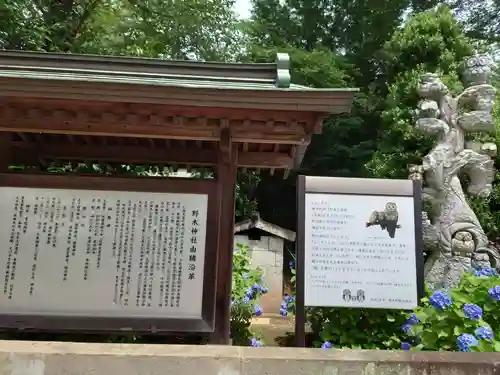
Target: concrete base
43	358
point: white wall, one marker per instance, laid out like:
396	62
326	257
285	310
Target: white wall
267	254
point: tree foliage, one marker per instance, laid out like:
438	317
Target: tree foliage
432	41
172	29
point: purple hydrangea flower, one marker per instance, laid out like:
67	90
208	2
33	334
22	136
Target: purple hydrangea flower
249	293
465	341
283	312
413	319
485	272
256	343
291	264
484	333
245	275
289	299
327	345
473	311
256	287
440	300
245	300
257	310
494	293
264	290
405	345
406	328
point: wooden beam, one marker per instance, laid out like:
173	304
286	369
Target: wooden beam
107	124
114	154
101	122
226	184
5	151
23	152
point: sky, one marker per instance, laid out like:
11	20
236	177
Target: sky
242	7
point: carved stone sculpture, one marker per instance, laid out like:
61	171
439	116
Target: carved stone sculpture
454	240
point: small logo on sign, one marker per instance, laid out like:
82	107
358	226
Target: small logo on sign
349	296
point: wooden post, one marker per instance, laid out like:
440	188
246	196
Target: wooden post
226	181
5	151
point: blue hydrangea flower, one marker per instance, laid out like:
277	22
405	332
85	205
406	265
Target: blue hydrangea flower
406	328
257	310
288	299
284	305
440	300
405	345
413	320
327	345
283	312
485	272
473	311
465	341
245	275
264	290
256	343
291	264
494	293
256	287
245	300
484	333
249	293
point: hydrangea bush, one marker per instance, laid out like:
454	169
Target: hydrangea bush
247	287
288	303
464	318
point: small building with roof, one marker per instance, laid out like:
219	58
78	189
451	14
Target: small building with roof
268	246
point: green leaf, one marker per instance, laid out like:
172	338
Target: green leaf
459	296
442	334
496	346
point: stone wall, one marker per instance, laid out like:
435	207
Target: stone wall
267	254
41	358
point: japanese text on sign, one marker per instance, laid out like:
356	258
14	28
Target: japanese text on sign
99	253
357	254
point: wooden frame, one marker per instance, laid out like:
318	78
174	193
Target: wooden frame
356	187
121	325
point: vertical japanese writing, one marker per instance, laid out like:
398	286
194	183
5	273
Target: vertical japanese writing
170	217
11	264
142	252
182	226
193	249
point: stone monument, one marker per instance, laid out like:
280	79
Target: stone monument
453	238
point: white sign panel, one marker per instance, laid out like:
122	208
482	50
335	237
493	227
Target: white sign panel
360	251
102	253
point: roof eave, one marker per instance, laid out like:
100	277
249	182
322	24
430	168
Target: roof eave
321	101
266	227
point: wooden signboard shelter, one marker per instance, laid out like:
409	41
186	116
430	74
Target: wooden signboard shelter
134	111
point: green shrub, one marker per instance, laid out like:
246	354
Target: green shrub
246	289
464	318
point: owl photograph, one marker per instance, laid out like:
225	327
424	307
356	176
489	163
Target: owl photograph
386	219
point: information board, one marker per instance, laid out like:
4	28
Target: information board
360	251
359	244
103	254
